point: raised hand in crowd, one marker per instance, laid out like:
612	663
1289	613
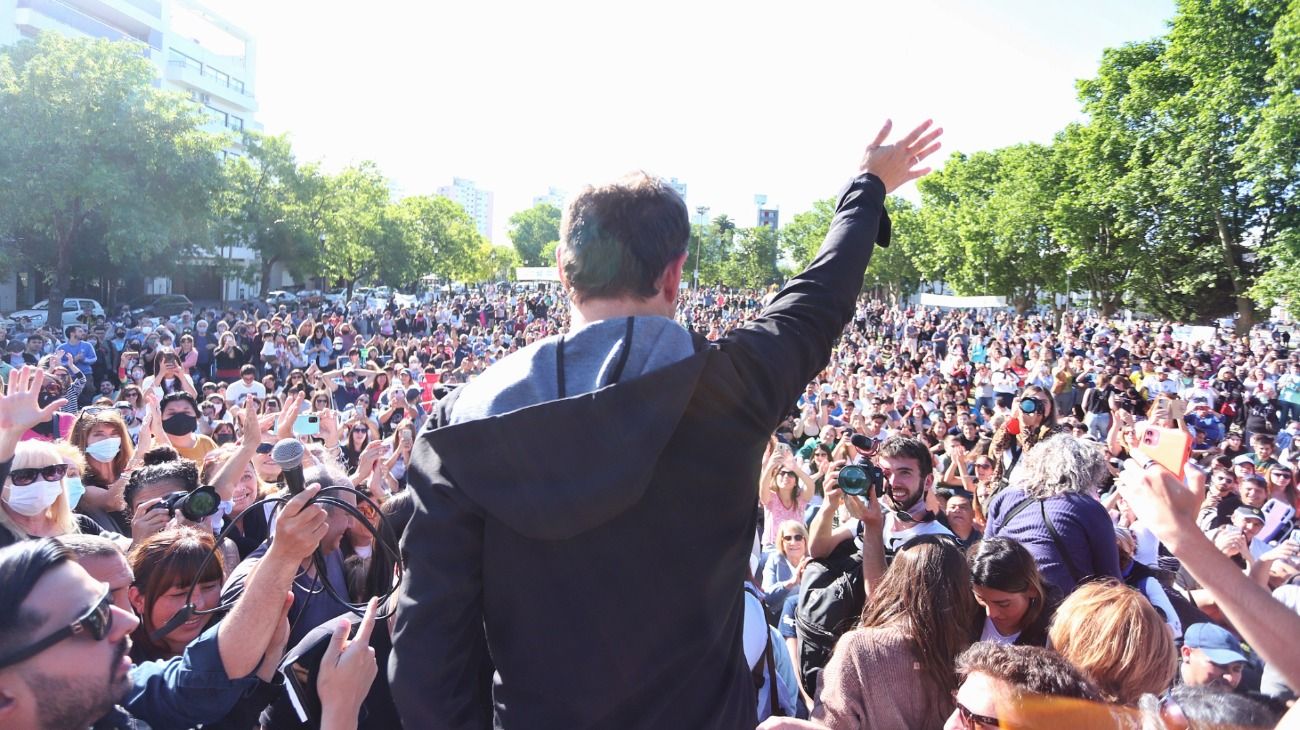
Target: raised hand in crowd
20	407
1167	506
346	672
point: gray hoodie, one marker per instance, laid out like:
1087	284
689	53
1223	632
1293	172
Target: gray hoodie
592	358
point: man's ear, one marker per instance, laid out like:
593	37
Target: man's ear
670	281
559	266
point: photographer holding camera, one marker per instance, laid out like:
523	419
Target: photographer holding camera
902	481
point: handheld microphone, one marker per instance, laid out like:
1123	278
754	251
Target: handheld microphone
287	454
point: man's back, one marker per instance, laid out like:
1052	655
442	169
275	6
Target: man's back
576	559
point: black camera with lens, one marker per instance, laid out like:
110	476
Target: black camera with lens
194	506
858	480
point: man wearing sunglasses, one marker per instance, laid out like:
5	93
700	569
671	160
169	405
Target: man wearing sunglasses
64	640
996	680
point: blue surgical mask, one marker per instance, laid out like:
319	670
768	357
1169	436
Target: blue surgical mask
106	450
75	489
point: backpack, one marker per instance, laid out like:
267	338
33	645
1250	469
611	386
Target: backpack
830	602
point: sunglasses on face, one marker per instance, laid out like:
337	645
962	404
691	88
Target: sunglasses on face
792	538
97	622
265	448
52	473
971	720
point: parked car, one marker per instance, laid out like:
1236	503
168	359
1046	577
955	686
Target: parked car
336	298
311	297
160	305
276	297
38	315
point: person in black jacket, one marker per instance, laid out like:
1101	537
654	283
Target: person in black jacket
542	587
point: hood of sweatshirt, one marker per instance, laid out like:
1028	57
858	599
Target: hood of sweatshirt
552	468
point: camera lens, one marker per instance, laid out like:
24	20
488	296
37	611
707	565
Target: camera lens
853	480
200	504
1029	405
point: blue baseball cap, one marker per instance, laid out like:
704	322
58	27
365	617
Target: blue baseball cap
1219	646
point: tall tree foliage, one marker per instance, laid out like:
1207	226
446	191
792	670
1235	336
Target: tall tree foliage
97	164
360	231
275	206
532	229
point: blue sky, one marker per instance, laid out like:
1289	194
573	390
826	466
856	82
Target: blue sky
733	98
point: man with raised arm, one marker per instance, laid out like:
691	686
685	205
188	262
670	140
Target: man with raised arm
585	508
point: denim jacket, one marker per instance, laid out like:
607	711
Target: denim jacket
181	692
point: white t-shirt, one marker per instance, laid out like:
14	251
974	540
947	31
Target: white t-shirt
991	633
236	392
893	540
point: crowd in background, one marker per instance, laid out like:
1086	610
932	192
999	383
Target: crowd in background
998	559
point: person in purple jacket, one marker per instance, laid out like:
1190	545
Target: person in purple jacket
1051	508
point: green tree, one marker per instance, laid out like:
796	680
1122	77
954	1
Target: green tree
532	229
892	273
1272	160
360	229
440	239
272	205
802	236
985	216
98	165
752	261
893	270
1199	109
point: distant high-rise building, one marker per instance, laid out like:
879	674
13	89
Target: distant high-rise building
476	202
677	185
767	216
554	196
195	52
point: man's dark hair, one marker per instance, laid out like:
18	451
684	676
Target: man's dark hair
618	238
21	566
908	448
178	395
183	471
1029	669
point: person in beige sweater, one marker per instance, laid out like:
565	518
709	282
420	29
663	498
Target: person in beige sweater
895	671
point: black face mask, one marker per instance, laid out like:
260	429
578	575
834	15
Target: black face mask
224	438
180	424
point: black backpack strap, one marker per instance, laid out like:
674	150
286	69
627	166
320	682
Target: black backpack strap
775	707
1060	546
1020	507
1075	573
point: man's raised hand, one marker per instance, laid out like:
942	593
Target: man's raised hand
898	163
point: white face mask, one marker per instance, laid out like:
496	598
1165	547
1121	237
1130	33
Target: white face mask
34	498
106	450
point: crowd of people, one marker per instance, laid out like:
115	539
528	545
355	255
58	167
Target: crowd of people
957	524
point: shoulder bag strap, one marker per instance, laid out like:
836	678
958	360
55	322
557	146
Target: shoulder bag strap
1060	545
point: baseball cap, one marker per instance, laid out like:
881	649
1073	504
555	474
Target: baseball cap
1219	646
1243	459
1248	513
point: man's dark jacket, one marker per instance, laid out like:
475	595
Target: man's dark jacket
591	551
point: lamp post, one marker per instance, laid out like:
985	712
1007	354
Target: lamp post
322	263
703	213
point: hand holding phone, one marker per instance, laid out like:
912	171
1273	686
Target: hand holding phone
1168	447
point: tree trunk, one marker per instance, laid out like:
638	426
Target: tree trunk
59	287
266	275
1245	308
